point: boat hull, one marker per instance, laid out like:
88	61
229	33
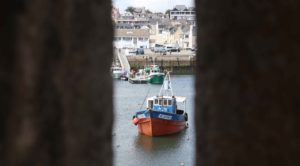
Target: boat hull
158	123
159	127
117	75
137	81
156	79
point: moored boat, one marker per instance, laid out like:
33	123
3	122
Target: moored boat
117	71
124	77
165	113
139	77
155	75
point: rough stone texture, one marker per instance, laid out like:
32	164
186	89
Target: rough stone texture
56	89
248	83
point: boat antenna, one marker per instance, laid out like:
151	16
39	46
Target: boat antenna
166	88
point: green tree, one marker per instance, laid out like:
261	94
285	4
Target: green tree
130	9
148	11
168	12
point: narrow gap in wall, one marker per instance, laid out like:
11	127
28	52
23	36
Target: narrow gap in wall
150	41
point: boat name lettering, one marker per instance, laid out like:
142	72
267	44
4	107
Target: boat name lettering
162	116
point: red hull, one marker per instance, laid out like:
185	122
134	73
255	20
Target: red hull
158	127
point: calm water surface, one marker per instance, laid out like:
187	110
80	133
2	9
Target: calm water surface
132	149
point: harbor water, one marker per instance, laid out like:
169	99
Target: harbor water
133	149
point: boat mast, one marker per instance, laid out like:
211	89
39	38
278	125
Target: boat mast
166	88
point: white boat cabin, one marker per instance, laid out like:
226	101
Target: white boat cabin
167	104
116	69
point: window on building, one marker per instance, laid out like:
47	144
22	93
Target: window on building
127	38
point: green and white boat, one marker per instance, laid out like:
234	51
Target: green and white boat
155	75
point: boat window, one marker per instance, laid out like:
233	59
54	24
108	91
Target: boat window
150	104
155	101
169	102
165	102
160	102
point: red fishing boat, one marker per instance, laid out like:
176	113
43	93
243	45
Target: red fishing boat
165	113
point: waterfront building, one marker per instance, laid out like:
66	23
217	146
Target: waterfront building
135	22
131	38
160	33
142	28
181	34
181	12
125	26
189	37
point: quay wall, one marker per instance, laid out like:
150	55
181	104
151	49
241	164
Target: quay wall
178	64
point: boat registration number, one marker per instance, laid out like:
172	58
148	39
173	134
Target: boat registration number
167	117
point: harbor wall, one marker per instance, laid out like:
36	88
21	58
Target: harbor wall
177	64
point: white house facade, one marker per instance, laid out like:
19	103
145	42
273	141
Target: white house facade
180	12
131	38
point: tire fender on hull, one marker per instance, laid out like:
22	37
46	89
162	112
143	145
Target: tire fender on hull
186	116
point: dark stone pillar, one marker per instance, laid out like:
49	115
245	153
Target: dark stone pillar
248	95
56	89
6	67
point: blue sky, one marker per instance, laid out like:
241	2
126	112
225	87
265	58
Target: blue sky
152	5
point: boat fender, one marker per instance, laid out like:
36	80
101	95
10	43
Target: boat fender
187	125
186	117
135	121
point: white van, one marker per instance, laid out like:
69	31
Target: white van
159	48
172	48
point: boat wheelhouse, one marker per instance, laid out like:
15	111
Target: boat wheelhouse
139	77
155	75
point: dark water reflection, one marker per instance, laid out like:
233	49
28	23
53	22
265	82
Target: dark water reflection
159	144
133	149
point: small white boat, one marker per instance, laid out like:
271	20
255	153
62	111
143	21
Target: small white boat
117	71
138	78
